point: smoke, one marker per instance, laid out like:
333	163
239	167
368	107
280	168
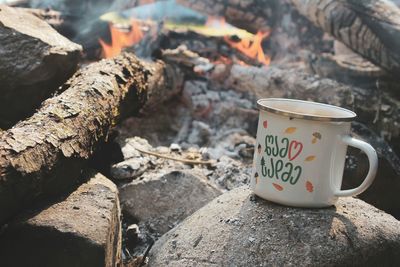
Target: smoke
165	10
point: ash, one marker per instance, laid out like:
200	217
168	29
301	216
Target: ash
205	122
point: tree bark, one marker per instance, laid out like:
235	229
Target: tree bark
45	154
370	28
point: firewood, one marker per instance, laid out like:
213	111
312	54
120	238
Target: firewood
250	15
45	154
370	28
34	61
290	31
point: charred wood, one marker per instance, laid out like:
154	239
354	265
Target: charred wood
370	28
34	61
290	31
45	154
243	14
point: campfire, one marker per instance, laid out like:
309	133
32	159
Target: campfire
123	121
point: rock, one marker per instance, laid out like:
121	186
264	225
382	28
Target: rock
129	147
239	229
129	169
84	229
34	61
175	147
163	201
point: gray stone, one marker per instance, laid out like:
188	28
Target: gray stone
164	200
129	169
84	229
129	147
175	147
239	229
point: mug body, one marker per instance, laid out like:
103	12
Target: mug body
299	159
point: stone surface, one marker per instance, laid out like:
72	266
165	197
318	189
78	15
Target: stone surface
239	229
162	200
84	229
34	61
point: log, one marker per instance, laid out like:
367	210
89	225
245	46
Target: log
78	229
34	61
370	28
350	68
290	32
243	14
44	155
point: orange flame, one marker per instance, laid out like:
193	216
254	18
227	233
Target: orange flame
252	47
121	39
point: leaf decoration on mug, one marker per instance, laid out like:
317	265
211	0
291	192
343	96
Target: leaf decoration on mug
259	149
310	158
290	130
277	186
316	136
309	186
265	124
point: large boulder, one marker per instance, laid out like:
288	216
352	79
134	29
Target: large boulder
83	229
239	229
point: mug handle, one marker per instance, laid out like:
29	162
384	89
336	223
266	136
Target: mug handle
373	166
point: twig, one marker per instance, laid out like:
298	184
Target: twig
188	161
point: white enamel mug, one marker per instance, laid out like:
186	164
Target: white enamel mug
300	153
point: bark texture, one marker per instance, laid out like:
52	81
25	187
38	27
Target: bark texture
34	61
371	28
44	154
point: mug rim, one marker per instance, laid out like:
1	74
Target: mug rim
292	114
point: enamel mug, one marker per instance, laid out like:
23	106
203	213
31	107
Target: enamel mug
301	150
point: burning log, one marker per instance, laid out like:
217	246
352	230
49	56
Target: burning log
289	31
34	61
370	28
44	154
243	14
